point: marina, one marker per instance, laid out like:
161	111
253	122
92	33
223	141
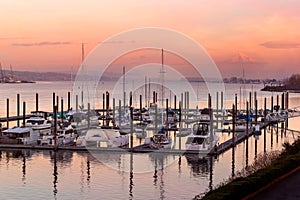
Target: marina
163	163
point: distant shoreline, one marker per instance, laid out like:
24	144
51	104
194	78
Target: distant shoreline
281	88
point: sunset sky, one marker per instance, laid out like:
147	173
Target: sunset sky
260	36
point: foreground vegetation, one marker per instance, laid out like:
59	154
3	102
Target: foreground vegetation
277	165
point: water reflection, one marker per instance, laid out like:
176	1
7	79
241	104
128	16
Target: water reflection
200	165
124	170
158	177
247	153
55	173
210	185
12	155
24	170
131	177
233	162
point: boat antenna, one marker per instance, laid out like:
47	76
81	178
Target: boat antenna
162	76
124	92
82	59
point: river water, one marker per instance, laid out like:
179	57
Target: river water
32	174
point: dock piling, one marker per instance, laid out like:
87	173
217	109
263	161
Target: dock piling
24	112
7	113
36	102
18	109
89	115
62	110
233	123
69	100
76	103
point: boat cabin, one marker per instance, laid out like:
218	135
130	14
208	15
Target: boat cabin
19	135
201	129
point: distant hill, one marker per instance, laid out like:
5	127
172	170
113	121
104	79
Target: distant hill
38	76
48	76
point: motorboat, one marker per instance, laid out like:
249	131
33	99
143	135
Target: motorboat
159	140
99	137
19	135
39	123
202	139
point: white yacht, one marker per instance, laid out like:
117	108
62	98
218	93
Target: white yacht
200	138
40	124
19	135
98	137
159	140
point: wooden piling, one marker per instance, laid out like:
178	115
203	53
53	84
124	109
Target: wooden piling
153	97
247	118
36	102
120	113
114	111
55	125
76	102
209	101
265	111
167	105
89	115
287	108
69	100
233	123
103	108
7	113
82	104
247	131
222	101
250	100
62	110
57	102
131	127
235	102
256	111
130	99
155	118
175	102
282	101
53	100
181	100
107	108
272	104
287	101
217	101
141	103
265	122
24	112
180	123
185	100
18	109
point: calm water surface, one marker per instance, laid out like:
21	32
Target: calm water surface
28	174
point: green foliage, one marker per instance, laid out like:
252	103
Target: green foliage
261	173
294	80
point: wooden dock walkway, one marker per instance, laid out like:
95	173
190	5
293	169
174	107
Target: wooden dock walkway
238	138
15	118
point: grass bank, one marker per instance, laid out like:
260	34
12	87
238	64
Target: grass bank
241	187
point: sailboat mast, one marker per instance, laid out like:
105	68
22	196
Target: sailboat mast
162	76
82	59
124	93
